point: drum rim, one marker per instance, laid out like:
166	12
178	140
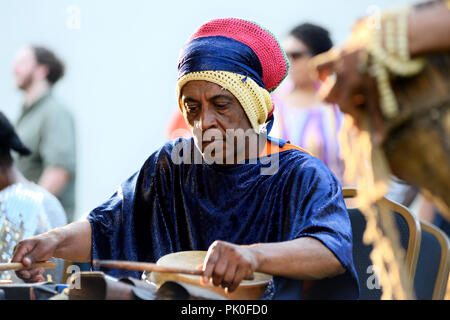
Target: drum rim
245	283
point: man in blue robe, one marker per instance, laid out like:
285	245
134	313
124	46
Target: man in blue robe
254	203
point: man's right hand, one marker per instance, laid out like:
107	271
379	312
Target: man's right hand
35	249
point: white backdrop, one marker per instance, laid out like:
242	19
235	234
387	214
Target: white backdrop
121	59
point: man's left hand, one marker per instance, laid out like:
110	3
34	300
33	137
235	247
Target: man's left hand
228	264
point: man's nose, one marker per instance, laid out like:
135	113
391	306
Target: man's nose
208	118
15	68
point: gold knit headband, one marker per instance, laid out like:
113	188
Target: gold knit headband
256	101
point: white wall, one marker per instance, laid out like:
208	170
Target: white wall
121	67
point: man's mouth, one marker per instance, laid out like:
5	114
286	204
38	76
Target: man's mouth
207	143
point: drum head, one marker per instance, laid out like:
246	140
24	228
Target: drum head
248	289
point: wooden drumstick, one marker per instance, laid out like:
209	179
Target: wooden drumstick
2	282
144	266
148	266
19	266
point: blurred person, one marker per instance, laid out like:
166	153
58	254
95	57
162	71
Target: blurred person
429	213
26	209
300	115
45	125
361	78
401	192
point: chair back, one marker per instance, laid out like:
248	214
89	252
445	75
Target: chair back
409	232
433	265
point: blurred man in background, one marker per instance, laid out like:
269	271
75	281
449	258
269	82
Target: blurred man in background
45	125
26	209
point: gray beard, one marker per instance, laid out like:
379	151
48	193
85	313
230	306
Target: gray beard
26	83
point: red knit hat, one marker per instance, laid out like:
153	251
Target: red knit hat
273	60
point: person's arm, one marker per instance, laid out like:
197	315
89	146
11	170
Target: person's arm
429	29
355	91
304	258
58	151
71	242
54	179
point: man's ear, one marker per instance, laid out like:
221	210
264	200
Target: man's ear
41	72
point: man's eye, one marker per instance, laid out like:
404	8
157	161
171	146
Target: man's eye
192	108
221	105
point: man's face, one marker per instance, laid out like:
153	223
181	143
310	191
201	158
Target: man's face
299	57
211	111
25	68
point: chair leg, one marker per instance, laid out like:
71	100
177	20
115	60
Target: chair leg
65	275
447	292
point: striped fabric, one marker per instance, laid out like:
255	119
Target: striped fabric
315	129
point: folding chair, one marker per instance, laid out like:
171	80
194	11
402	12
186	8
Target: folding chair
409	231
430	281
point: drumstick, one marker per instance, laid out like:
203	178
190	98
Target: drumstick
144	266
148	266
2	282
19	266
